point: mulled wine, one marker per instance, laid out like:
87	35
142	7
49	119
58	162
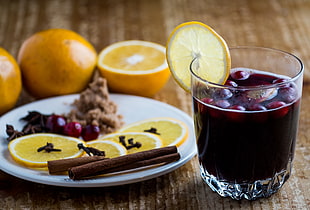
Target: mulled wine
246	128
247	135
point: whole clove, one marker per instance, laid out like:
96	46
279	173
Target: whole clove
122	140
35	123
137	145
49	147
12	133
152	130
35	117
91	151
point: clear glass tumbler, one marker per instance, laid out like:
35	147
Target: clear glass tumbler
246	129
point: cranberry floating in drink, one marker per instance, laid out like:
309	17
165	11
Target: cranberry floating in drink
246	129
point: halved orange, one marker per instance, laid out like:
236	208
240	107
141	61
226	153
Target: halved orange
134	67
195	40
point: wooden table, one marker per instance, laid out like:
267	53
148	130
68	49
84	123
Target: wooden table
282	24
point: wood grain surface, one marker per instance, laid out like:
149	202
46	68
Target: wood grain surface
281	24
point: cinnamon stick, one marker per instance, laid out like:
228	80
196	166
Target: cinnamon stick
57	166
157	160
92	168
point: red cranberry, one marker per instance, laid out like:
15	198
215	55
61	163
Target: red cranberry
90	132
207	100
257	107
258	117
237	107
240	75
288	94
73	129
55	124
222	104
225	94
202	107
236	116
231	83
281	80
280	108
275	104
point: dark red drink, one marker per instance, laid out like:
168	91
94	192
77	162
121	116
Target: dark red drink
245	135
246	129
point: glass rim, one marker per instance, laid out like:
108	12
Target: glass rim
291	79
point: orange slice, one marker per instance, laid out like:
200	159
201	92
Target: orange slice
134	67
24	149
110	148
170	130
148	141
195	40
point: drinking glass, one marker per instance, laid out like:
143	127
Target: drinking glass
246	129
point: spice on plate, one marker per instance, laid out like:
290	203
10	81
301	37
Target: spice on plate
142	163
122	140
91	151
62	165
49	147
35	123
125	162
152	130
12	133
95	107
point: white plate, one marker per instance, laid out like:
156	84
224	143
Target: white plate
133	108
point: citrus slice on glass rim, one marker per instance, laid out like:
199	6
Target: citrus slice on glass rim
24	150
195	40
170	130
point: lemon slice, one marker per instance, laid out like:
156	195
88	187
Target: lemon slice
24	149
148	141
134	67
170	130
111	148
195	40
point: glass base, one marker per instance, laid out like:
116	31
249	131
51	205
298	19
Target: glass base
249	191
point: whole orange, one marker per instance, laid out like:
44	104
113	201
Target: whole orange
10	81
56	62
